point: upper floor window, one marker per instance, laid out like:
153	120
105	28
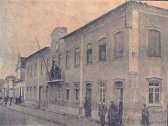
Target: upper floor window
77	57
60	60
118	49
102	49
41	68
48	63
67	59
154	44
154	92
89	54
28	72
31	71
35	70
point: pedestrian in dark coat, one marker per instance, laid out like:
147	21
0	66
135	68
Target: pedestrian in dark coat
102	113
112	115
87	107
6	100
145	116
10	100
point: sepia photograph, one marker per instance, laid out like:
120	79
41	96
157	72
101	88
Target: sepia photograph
83	63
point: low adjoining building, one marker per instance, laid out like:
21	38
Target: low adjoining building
20	78
36	72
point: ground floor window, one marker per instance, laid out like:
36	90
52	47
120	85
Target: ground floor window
76	91
102	92
154	92
67	93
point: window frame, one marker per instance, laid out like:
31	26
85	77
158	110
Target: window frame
68	98
76	88
68	59
153	53
102	43
154	80
89	60
77	57
118	54
102	92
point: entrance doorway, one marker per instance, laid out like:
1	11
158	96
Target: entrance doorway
88	100
119	98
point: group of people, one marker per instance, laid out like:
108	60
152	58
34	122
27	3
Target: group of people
6	99
114	114
19	100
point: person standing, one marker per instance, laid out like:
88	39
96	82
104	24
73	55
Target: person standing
145	116
102	113
10	101
6	100
87	107
112	115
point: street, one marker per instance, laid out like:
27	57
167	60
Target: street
10	117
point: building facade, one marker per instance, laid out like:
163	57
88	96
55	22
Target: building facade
8	86
36	72
118	57
20	78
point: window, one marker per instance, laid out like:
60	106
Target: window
67	93
28	72
154	92
34	88
30	89
35	70
102	49
27	89
89	53
76	94
154	46
67	59
31	71
77	57
60	61
118	49
76	91
41	68
102	93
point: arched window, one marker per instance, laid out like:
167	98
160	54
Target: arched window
89	53
154	44
118	49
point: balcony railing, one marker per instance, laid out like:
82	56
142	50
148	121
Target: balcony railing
55	75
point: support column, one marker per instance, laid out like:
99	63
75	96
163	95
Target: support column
132	116
81	78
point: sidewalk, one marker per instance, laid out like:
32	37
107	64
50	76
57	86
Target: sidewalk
64	120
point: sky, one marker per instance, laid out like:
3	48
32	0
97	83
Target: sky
23	20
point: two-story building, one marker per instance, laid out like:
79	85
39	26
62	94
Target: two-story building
36	72
120	56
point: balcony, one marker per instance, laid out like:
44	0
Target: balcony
55	75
